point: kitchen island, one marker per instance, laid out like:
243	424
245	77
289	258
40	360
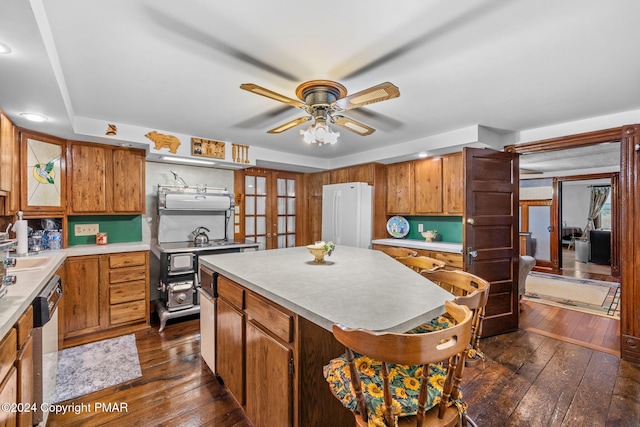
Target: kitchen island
275	311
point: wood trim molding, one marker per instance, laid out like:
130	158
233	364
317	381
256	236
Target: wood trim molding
629	252
569	141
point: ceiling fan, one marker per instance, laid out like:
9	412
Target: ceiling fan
323	100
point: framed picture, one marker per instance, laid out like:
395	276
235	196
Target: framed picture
43	169
207	148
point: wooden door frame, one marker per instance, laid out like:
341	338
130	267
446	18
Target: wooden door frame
629	254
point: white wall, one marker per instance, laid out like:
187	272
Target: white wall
159	173
575	204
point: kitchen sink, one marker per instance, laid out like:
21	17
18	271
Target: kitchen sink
30	263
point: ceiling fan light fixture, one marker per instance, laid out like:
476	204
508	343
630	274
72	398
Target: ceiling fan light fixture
320	133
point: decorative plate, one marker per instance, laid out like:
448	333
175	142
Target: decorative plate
398	226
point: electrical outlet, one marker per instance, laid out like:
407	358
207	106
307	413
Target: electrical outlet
86	229
420	228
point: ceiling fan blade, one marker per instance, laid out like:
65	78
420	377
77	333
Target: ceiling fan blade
377	93
271	94
289	125
352	125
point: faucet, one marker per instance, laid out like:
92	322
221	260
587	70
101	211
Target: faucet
178	179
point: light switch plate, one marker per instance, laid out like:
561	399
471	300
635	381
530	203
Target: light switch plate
86	229
420	228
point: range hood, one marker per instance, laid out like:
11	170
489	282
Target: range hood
175	199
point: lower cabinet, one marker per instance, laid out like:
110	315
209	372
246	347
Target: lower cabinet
105	296
208	330
265	385
8	377
271	360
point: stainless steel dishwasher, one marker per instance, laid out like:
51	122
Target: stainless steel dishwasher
45	347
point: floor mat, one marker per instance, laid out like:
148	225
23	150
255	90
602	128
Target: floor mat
96	366
591	296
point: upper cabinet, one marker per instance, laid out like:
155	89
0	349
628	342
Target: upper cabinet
7	153
42	180
432	186
104	179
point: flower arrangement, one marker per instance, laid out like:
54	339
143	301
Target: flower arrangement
329	247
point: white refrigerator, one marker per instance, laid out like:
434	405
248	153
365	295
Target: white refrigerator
347	214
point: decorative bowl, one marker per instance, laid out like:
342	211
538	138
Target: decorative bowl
430	235
318	253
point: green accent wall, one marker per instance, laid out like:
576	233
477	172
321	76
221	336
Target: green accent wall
119	228
450	227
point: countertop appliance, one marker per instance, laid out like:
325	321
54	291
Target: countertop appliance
45	347
183	212
347	214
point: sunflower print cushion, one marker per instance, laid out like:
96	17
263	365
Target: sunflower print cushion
404	381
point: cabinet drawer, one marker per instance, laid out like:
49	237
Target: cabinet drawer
127	312
127	259
127	292
24	325
231	291
8	351
127	274
271	317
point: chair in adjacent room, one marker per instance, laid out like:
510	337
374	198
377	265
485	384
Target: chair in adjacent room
420	263
413	379
395	252
471	291
526	265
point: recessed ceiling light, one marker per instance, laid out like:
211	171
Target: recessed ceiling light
4	48
422	154
34	117
187	160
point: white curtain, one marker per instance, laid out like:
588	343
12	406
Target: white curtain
599	196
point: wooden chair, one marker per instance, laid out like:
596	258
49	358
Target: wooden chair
398	252
420	263
469	290
421	351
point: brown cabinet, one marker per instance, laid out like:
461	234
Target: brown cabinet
432	186
271	360
105	295
103	179
128	284
400	188
42	174
428	186
8	376
7	154
24	365
269	367
230	335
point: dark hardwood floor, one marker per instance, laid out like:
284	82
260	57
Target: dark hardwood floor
527	380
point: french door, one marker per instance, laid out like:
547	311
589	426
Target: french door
269	207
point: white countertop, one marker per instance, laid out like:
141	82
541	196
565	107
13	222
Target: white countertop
455	248
30	282
359	288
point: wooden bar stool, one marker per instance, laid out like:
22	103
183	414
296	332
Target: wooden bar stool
420	263
398	252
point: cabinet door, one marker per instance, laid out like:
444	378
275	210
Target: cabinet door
82	295
272	408
7	154
428	186
128	195
87	178
42	181
24	363
453	183
315	183
8	394
399	188
230	345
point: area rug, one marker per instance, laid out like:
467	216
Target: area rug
590	296
96	366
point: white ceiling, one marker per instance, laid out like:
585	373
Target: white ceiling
176	66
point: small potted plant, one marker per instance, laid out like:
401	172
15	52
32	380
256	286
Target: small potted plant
430	235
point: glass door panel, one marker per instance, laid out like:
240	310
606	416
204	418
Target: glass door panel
539	223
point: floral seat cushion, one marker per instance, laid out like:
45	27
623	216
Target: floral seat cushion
404	381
